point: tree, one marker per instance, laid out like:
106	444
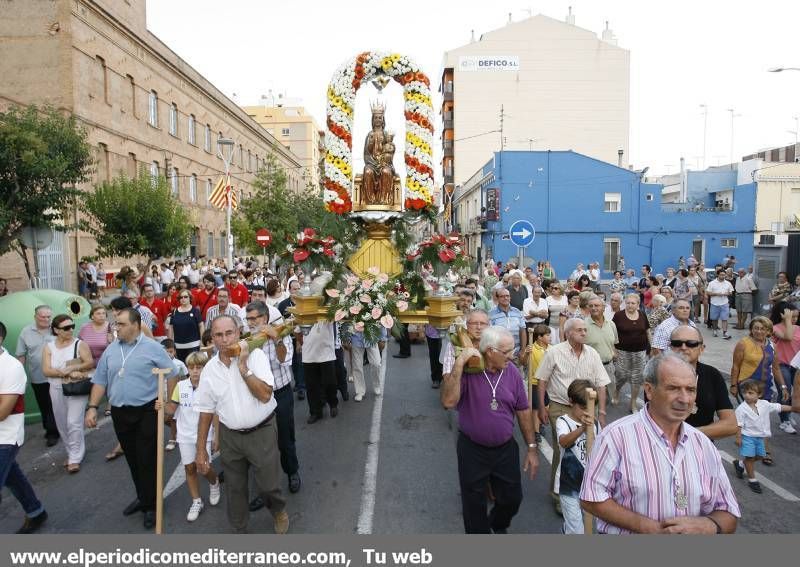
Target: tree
43	155
284	212
131	217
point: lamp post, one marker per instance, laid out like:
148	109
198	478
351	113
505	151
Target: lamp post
222	144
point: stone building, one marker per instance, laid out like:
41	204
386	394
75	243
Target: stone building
143	108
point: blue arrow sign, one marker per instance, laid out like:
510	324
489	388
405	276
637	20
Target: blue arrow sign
522	233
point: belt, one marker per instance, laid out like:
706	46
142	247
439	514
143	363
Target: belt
608	362
257	427
282	388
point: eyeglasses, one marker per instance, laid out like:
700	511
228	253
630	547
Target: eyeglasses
66	328
184	297
678	343
507	353
253	318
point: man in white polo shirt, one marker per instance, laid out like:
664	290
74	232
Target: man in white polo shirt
239	390
12	435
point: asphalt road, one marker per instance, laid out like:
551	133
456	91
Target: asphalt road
391	471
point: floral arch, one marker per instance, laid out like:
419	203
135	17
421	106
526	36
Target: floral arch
346	81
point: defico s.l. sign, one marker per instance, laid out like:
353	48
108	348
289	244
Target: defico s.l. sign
488	63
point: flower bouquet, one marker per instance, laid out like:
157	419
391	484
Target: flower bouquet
370	304
310	251
442	252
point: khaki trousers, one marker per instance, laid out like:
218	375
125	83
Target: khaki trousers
555	410
238	453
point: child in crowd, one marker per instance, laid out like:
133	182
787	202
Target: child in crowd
752	417
180	405
540	342
169	346
571	432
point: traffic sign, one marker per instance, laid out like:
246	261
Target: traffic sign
263	237
522	233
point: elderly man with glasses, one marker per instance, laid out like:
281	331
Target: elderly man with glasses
488	403
511	319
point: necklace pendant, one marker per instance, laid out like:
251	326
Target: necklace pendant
494	405
121	372
681	502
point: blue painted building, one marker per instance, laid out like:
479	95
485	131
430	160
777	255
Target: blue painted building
586	210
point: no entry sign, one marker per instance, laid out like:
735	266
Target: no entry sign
263	237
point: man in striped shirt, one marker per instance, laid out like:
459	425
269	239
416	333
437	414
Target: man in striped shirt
279	352
681	315
652	473
225	307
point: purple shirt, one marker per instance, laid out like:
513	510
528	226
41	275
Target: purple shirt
477	420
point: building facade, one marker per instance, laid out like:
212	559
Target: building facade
143	107
546	84
585	210
299	133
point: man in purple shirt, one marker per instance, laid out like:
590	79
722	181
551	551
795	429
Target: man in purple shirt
487	403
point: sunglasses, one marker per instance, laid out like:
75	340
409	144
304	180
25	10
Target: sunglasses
66	328
184	297
677	343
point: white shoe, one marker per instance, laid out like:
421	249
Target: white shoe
194	510
358	397
787	427
377	391
350	379
214	493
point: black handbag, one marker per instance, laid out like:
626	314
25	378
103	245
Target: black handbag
80	387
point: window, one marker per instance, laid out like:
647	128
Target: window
241	156
173	119
210	250
728	242
103	77
193	188
208	190
153	109
191	126
257	165
105	174
611	251
132	165
154	173
132	85
173	181
223	245
766	240
249	164
207	140
612	203
284	131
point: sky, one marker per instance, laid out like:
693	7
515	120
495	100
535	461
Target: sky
684	54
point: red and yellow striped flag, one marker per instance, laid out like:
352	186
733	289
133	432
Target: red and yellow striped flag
220	193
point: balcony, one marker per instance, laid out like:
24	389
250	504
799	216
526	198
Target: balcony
448	92
477	224
447	119
448	178
447	147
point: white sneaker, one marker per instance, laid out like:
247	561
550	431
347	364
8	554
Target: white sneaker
350	379
377	391
787	427
214	492
194	510
358	397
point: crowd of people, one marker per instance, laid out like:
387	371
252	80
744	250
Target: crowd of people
543	344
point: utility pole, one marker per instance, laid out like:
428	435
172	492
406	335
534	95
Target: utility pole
502	145
733	116
705	131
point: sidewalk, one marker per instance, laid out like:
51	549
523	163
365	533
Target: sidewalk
719	352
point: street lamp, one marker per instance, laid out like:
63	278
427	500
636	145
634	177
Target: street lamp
222	145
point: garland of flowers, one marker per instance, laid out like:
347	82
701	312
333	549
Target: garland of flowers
419	128
368	304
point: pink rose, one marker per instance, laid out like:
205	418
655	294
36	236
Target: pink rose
383	278
364	298
340	314
355	309
359	327
352	280
376	312
349	290
332	292
402	305
387	321
367	284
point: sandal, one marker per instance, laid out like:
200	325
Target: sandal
768	460
107	412
170	445
115	454
73	468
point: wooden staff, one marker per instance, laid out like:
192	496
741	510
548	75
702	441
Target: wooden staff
530	369
591	395
161	373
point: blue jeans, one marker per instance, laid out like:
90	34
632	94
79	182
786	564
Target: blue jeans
297	371
788	378
12	477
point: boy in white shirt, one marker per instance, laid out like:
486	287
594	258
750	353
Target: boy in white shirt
181	406
752	417
571	433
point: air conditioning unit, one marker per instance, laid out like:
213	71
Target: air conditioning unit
766	239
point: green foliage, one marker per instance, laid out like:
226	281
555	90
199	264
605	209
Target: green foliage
43	154
129	217
282	211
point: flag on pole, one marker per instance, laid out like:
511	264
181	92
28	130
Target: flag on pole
220	195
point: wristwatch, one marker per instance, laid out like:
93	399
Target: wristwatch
92	407
249	373
532	445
